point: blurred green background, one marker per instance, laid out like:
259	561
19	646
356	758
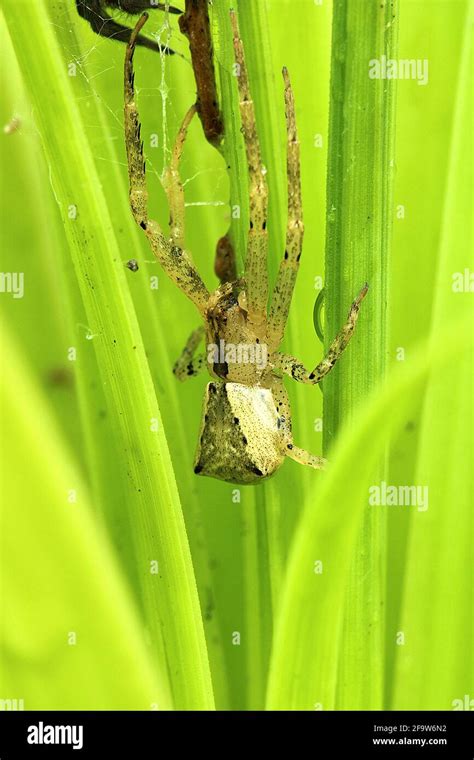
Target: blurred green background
94	477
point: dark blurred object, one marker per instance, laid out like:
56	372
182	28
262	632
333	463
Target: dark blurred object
61	377
95	12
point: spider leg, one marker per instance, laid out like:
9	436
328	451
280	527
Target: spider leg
304	457
288	271
173	185
284	423
172	258
104	25
256	274
187	365
296	370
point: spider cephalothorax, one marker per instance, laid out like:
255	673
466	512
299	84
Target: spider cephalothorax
246	420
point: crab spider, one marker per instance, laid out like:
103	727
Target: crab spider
246	419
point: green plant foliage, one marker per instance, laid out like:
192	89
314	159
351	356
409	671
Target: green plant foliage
72	636
305	659
359	224
438	626
162	567
299	593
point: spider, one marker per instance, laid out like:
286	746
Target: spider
95	12
246	419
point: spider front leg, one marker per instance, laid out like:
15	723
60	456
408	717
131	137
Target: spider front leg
188	365
296	370
174	260
256	274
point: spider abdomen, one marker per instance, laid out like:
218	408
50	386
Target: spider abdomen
241	440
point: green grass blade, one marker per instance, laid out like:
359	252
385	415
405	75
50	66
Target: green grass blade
169	598
99	90
424	137
434	665
267	522
263	540
257	612
359	214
